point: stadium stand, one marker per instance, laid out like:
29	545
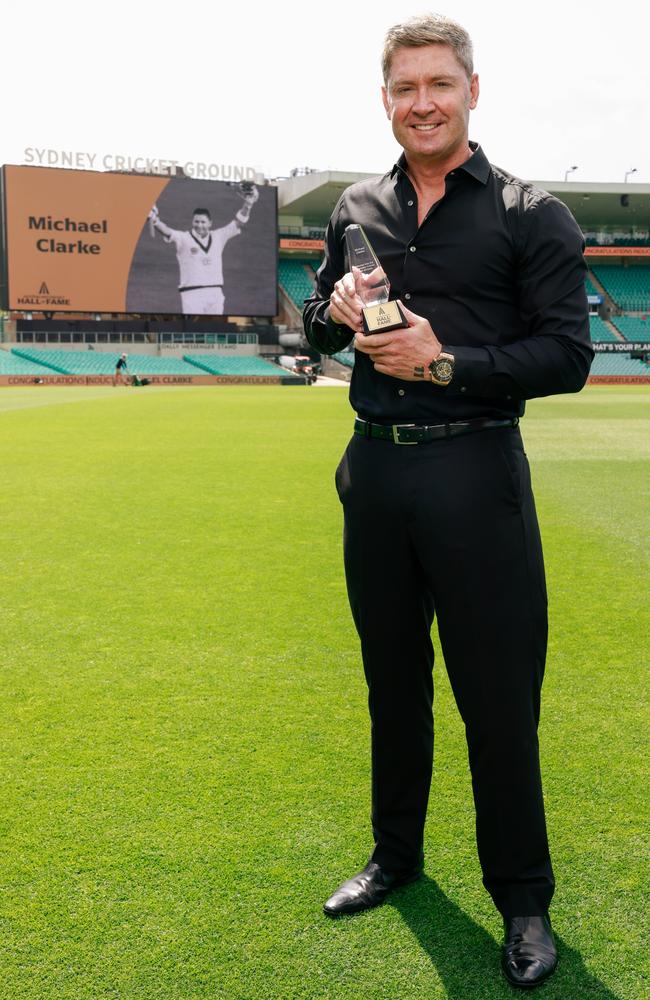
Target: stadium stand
629	287
11	364
599	330
239	365
591	288
294	278
618	364
40	358
99	363
345	358
633	327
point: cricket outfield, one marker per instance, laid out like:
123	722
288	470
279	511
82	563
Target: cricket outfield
185	742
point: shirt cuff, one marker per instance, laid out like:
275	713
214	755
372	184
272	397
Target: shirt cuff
472	365
338	334
324	334
332	327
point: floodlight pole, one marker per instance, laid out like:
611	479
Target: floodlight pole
627	174
569	171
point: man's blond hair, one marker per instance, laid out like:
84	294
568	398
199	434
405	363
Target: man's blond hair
428	29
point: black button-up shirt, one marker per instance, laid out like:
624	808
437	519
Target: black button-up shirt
496	267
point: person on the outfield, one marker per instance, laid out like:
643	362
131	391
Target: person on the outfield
121	370
490	274
199	252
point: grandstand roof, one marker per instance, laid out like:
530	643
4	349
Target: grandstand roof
596	205
313	196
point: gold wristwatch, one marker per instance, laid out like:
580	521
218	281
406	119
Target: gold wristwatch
441	369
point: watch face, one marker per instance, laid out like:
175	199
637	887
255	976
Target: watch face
444	371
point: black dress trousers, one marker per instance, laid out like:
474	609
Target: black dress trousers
449	528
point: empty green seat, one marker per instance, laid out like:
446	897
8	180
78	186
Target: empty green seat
297	279
14	364
628	286
103	363
599	330
618	364
238	365
633	327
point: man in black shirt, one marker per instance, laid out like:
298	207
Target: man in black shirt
490	273
121	370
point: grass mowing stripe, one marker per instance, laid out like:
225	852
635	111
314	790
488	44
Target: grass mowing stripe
19	398
185	748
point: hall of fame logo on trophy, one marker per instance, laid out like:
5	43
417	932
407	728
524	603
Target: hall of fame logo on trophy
371	284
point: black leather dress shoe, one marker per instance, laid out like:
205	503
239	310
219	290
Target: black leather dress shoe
529	951
367	889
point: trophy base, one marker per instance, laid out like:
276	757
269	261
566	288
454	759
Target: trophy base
382	318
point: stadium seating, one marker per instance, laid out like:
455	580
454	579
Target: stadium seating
345	358
237	365
628	286
43	358
100	363
294	279
618	364
599	330
633	327
12	364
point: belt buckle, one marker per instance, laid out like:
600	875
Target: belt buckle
396	429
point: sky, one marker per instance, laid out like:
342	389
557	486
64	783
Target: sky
294	84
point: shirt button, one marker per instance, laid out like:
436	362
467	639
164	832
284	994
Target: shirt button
412	249
463	388
410	203
401	392
407	295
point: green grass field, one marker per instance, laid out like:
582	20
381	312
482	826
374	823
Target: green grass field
184	746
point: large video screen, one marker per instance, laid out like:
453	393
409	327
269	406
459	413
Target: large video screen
82	241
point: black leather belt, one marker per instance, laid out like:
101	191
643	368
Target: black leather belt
420	434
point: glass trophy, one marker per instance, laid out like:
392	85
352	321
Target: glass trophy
372	284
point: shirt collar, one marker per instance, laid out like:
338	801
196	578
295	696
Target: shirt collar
477	165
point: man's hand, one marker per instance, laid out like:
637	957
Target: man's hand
403	354
251	197
345	304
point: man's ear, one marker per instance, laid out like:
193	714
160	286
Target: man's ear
473	91
384	97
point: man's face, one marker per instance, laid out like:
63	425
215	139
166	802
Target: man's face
201	224
428	100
